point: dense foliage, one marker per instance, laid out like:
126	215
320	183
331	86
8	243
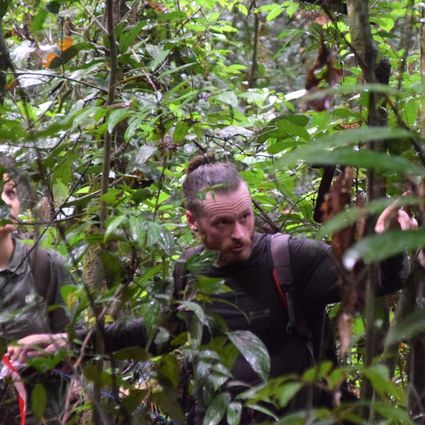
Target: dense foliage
104	103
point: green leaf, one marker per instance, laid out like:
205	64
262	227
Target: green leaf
378	247
114	225
379	377
410	112
38	400
274	13
253	350
181	130
286	392
217	409
350	216
115	117
407	328
358	158
128	37
234	413
229	98
60	192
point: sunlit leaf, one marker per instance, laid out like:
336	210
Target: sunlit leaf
253	350
234	413
217	409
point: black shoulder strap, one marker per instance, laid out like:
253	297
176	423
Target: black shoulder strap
282	275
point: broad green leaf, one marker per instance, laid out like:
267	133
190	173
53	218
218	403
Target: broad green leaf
195	308
38	400
114	225
128	37
181	130
318	372
379	377
253	350
116	117
385	245
234	412
217	409
407	328
229	98
274	13
410	112
345	156
60	192
291	129
393	414
286	392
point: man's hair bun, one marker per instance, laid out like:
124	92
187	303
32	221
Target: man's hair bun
200	160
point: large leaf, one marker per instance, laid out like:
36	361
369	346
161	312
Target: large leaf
253	350
38	400
345	156
216	409
378	247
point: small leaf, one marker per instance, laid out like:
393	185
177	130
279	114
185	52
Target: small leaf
38	400
181	130
253	350
234	413
216	409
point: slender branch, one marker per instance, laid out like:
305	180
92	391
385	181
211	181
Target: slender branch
113	76
252	73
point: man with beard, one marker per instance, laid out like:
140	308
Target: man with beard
219	209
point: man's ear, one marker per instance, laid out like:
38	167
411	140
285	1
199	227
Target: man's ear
192	221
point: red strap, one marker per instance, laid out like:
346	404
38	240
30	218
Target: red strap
279	289
19	389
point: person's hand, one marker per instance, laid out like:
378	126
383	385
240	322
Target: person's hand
394	217
36	345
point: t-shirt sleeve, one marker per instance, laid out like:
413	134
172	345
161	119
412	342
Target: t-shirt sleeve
316	278
59	276
118	335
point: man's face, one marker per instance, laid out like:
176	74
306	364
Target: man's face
10	197
225	223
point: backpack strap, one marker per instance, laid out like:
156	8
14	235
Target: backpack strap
282	276
284	281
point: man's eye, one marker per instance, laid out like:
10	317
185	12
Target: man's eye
245	217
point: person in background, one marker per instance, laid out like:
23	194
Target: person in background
30	300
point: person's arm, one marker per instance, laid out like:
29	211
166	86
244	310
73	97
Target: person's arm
59	276
116	336
315	272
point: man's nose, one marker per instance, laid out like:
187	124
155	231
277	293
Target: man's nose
238	231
